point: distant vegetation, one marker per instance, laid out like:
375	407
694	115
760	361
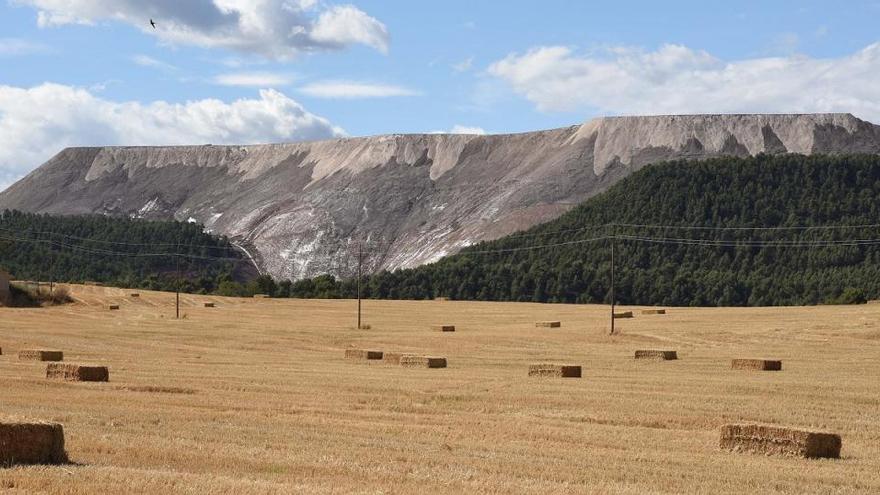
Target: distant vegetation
764	191
676	264
115	251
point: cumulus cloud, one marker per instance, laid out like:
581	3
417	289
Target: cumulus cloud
277	29
354	90
678	79
37	122
254	79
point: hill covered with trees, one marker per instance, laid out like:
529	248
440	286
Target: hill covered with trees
116	251
767	230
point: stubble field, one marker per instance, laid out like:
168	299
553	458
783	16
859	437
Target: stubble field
254	396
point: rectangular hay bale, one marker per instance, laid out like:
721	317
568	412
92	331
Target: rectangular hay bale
548	324
777	440
393	357
31	443
625	314
653	311
555	370
40	355
756	364
77	372
411	361
657	354
114	307
363	354
443	328
134	294
209	305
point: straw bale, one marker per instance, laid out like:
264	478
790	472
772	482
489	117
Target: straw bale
443	328
77	372
555	370
653	311
625	314
31	443
548	324
410	361
40	355
393	357
756	364
363	354
777	440
657	354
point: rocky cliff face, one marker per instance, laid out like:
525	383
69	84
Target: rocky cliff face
300	209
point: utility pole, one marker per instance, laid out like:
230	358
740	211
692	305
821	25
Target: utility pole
360	262
177	292
612	282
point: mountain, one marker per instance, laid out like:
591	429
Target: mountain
720	232
300	209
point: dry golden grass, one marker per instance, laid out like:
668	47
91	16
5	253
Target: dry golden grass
276	408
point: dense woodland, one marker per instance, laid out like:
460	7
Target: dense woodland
764	191
116	251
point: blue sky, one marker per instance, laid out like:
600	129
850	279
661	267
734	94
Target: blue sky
91	72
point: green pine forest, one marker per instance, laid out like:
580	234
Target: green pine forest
762	191
113	251
556	262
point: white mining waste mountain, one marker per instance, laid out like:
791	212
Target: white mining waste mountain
300	208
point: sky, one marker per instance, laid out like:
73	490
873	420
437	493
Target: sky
94	72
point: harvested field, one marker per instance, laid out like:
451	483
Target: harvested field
362	354
40	355
777	440
411	361
655	354
443	328
77	372
31	443
548	324
278	410
653	311
756	364
625	314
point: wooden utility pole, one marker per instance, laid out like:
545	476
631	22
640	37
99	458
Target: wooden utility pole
177	285
612	284
360	262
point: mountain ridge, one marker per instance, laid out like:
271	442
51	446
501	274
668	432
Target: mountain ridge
301	208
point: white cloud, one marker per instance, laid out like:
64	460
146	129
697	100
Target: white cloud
462	129
37	122
15	47
277	29
354	90
254	79
148	61
677	79
347	25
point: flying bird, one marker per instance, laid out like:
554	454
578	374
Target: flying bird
152	24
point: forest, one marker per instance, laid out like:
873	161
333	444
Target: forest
122	252
760	231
